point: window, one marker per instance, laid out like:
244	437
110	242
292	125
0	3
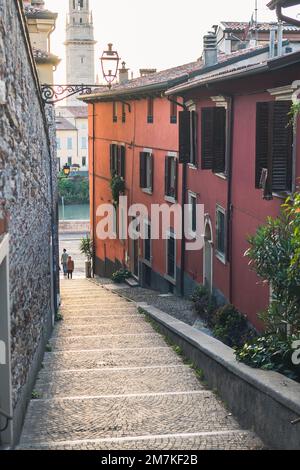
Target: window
171	255
221	233
58	164
150	107
123	112
115	112
83	142
171	170
192	198
274	147
147	241
82	60
213	139
146	171
173	111
83	161
80	21
188	146
58	143
117	160
69	143
69	161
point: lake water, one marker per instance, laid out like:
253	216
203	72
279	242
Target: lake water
74	212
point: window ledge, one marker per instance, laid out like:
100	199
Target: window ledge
282	195
170	279
223	176
192	166
221	257
147	262
170	199
147	191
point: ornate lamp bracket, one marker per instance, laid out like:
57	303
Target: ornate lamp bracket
52	94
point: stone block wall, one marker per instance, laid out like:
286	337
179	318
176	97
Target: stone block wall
28	200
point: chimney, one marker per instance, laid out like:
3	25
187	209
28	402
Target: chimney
210	49
123	73
145	72
273	29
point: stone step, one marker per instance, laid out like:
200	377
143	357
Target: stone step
101	329
102	320
126	416
130	308
111	358
222	440
106	342
116	381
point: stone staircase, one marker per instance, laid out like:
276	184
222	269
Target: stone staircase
109	381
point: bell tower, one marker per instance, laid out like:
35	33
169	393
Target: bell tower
80	45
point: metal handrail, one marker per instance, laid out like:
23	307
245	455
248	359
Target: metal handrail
8	418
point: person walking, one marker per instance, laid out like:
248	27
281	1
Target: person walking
70	267
64	260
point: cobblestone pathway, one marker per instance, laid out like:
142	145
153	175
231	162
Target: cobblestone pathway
111	382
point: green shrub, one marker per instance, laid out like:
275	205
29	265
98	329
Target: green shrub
230	326
117	186
74	190
120	276
271	353
204	303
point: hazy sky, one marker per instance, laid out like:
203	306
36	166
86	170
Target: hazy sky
155	33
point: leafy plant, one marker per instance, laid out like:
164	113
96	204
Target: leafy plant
231	327
271	353
294	113
204	303
120	276
273	255
87	247
74	190
117	185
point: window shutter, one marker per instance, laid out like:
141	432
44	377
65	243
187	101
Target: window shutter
166	176
151	170
207	142
184	136
142	170
219	140
282	148
175	162
194	137
111	149
262	139
122	152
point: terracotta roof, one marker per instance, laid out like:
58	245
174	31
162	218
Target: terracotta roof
170	77
75	111
63	124
240	26
41	56
233	72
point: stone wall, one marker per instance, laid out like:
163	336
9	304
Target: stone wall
28	196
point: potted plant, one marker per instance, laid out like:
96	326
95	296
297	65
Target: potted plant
87	248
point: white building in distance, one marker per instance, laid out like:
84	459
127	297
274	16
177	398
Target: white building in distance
72	119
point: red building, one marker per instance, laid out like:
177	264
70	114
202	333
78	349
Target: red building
233	130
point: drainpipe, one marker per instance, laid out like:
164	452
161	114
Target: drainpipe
93	194
183	192
280	39
272	41
229	151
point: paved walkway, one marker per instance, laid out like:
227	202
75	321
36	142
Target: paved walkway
111	382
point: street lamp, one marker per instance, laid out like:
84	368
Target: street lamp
66	170
110	63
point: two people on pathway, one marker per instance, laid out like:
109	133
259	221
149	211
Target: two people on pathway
67	264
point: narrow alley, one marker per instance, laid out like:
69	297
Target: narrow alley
109	381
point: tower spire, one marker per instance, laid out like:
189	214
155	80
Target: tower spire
80	45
